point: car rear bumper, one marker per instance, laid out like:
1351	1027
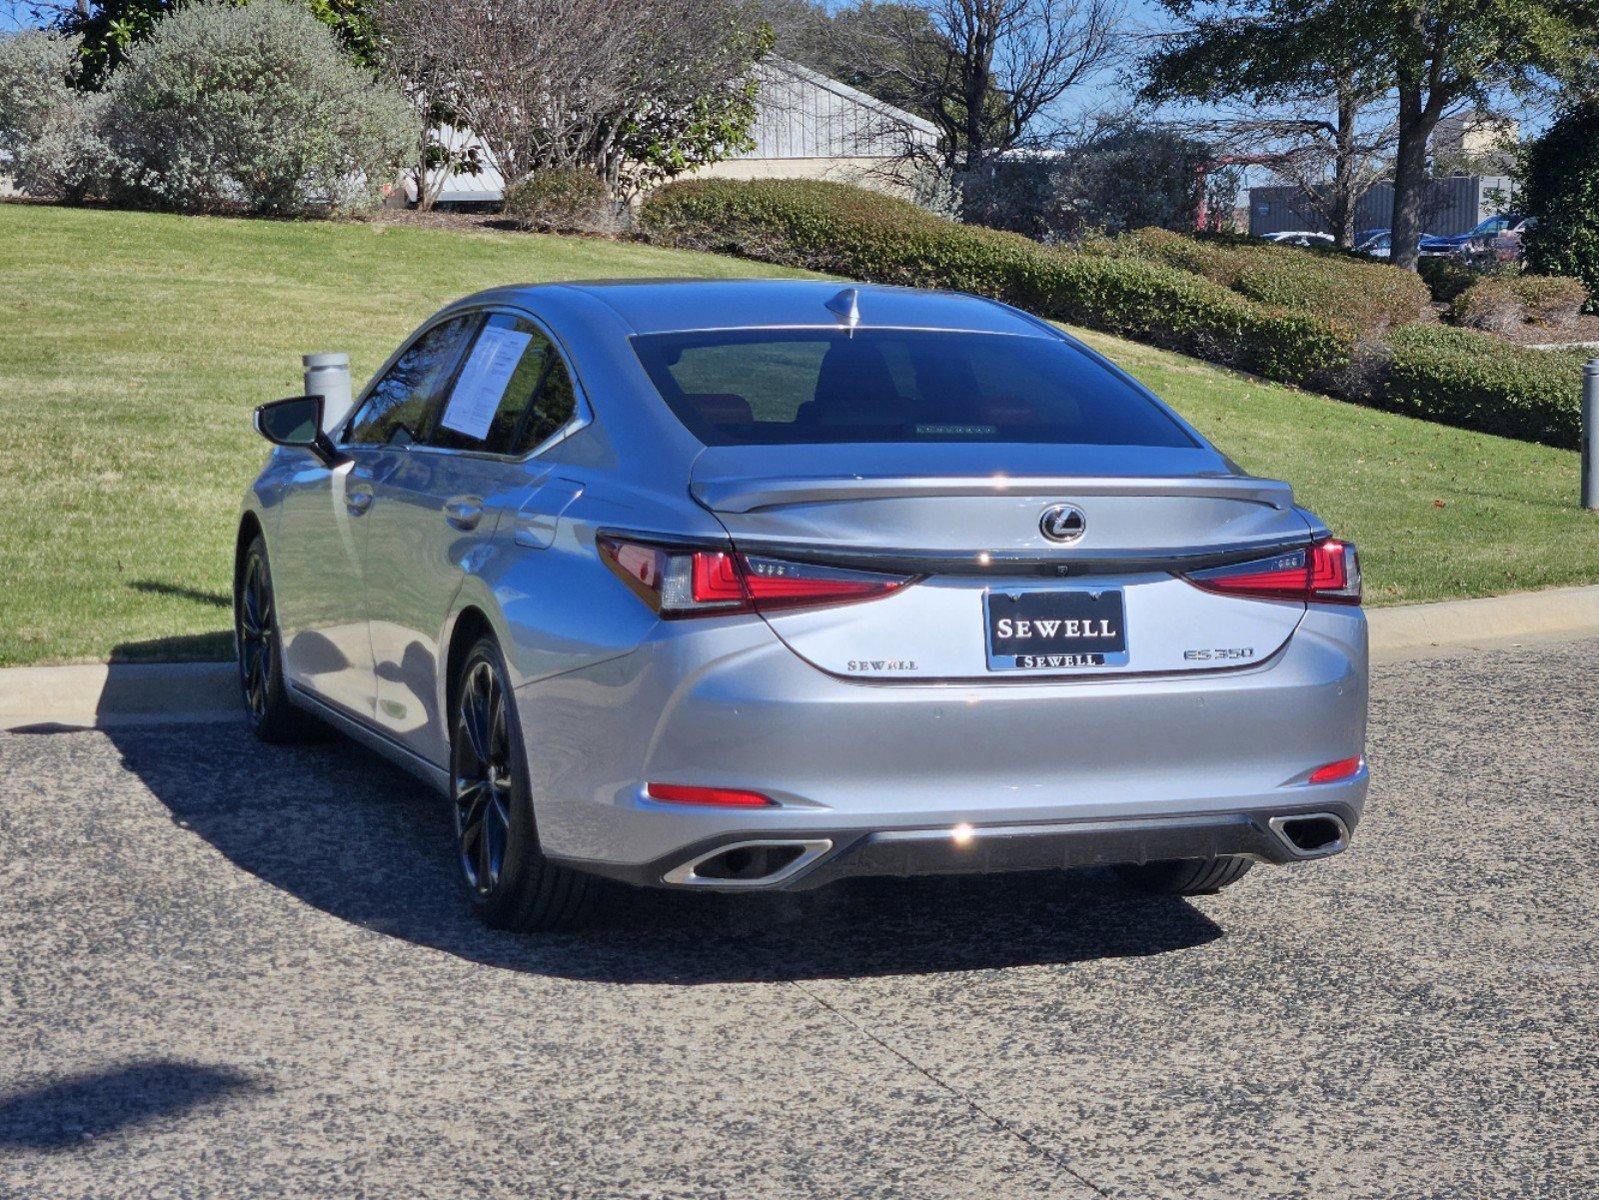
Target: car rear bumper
821	857
918	778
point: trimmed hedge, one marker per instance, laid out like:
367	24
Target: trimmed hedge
1445	276
561	201
1501	303
849	231
1449	375
1461	377
1368	295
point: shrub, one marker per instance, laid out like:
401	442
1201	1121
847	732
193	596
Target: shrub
1369	296
565	201
1503	303
253	108
1445	276
1555	300
1560	187
1123	175
1465	378
49	131
866	235
1489	304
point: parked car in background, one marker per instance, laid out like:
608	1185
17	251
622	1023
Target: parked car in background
761	585
1377	243
1498	249
1483	232
1300	237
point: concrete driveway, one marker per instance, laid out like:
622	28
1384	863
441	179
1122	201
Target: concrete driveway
229	970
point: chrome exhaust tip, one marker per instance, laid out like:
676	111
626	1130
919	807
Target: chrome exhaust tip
1311	835
754	864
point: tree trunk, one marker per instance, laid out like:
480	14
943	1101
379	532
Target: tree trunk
1343	184
1410	176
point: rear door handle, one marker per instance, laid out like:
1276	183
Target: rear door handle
463	512
358	500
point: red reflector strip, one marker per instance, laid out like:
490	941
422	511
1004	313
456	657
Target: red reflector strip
1344	768
674	793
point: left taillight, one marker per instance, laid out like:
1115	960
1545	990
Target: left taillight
689	582
1327	572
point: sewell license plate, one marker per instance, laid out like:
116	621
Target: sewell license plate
1053	630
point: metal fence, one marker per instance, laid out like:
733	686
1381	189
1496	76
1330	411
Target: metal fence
1448	206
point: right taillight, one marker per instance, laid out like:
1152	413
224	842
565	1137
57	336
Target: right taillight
1327	572
686	582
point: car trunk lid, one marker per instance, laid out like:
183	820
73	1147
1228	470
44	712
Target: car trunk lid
968	523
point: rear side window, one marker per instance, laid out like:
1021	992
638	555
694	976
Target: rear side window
552	407
397	406
511	392
753	387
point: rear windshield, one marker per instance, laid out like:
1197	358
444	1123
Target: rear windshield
769	387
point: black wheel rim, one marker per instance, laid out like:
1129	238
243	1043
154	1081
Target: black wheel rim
482	762
257	636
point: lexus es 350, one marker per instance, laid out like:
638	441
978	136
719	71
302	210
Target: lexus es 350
760	585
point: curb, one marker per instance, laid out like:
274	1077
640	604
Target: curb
103	695
1451	627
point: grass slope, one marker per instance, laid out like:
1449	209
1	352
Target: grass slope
133	347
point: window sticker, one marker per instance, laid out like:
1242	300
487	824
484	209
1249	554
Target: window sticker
483	380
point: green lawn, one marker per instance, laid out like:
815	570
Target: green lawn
133	346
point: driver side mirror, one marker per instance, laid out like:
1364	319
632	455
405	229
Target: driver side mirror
297	423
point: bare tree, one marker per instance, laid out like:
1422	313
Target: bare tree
576	83
1333	146
988	73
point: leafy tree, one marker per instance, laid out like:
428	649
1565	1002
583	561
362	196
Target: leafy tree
107	29
1560	187
49	130
988	73
1315	131
251	107
1431	56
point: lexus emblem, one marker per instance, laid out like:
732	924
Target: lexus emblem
1063	523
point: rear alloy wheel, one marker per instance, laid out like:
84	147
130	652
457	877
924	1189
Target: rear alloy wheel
255	632
510	882
1185	877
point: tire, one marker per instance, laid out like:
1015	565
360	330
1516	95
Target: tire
510	883
1185	877
259	651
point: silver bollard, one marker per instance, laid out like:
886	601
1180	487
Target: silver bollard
1590	434
328	375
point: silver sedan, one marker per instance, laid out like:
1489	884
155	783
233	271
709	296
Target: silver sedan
756	585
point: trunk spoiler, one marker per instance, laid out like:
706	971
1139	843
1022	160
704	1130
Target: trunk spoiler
744	495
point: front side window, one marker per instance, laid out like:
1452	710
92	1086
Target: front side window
765	386
511	393
396	408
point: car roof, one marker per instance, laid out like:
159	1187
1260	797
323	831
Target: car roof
649	306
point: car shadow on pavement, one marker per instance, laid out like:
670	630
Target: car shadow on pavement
343	831
63	1113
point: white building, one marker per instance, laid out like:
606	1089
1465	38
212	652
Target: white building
807	126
